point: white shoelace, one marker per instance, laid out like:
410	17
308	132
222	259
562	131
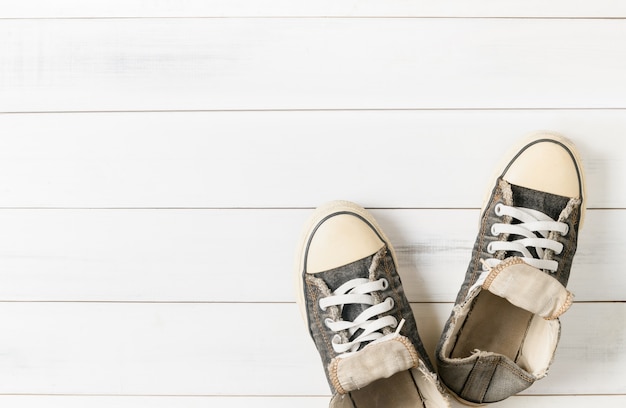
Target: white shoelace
535	227
359	291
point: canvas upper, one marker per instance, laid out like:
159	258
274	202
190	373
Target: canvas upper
352	298
504	328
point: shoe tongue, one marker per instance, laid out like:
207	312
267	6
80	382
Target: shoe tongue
528	288
376	361
549	204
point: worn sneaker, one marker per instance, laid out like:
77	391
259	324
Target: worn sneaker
503	331
352	299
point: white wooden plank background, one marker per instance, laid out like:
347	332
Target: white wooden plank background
192	255
274	402
157	160
304	8
295	63
429	159
222	348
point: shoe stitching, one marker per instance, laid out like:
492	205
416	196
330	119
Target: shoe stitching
570	211
507	198
565	259
454	364
313	294
410	348
378	261
575	216
492	366
387	263
333	367
320	285
481	238
334	376
499	363
388	271
515	371
566	305
469	383
495	271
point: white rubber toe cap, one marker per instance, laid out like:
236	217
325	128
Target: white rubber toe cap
340	240
546	165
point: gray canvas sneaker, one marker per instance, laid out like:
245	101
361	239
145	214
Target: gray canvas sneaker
352	299
504	328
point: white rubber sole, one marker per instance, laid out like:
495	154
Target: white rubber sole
528	139
318	215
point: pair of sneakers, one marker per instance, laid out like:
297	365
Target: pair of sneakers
504	328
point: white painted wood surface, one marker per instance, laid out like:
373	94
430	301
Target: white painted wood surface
226	348
157	160
192	255
304	8
539	401
428	159
296	63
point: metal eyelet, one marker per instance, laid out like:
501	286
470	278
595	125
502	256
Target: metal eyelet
385	283
498	209
391	302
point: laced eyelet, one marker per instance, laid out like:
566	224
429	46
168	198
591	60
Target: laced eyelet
493	230
566	230
390	301
384	283
498	209
320	305
395	324
336	339
490	248
328	321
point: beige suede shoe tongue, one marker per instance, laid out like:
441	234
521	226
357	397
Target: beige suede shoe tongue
376	361
529	288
